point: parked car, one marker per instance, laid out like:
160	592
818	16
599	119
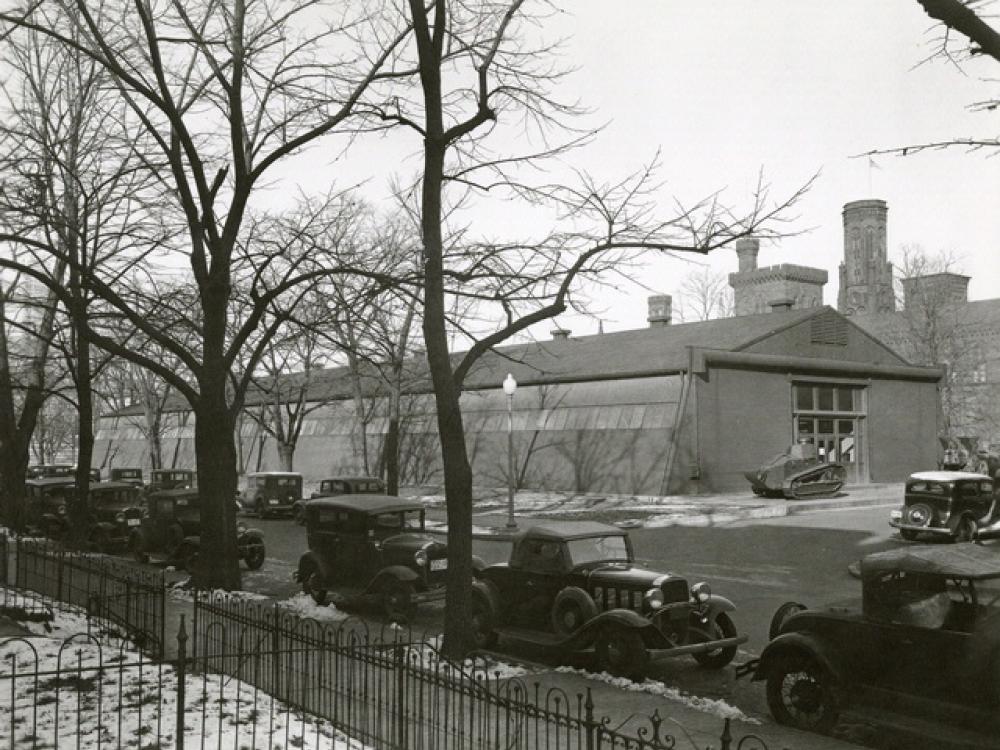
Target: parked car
107	504
127	474
926	638
335	486
169	479
44	471
272	492
46	499
574	585
957	505
371	547
169	529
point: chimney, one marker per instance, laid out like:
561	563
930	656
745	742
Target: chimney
560	334
746	250
782	304
659	310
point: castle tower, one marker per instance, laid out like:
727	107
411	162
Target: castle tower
865	274
772	288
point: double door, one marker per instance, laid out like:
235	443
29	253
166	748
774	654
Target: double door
836	439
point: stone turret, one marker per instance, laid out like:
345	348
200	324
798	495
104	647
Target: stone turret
865	274
660	310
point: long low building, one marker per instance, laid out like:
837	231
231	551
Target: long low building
668	409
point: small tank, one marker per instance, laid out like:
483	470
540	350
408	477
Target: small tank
797	474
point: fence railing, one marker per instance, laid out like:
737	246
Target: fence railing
131	599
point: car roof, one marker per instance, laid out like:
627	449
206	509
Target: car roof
569	530
273	474
366	503
945	476
958	560
44	481
175	492
350	478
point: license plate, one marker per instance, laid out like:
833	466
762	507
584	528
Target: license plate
274	502
133	521
439	564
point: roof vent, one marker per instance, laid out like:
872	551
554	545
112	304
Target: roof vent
828	328
560	333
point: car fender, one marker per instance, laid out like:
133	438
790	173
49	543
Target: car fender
310	560
617	618
395	572
251	536
490	594
805	643
717	604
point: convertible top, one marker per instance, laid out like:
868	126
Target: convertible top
959	560
366	503
569	530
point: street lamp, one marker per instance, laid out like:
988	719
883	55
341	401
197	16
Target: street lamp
509	386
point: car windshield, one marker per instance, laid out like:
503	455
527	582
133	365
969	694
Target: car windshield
409	520
611	548
287	481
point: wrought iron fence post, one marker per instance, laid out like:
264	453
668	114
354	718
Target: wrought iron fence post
588	720
725	740
181	682
400	665
276	651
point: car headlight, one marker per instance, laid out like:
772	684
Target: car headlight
61	510
420	557
241	528
653	598
701	592
895	515
120	518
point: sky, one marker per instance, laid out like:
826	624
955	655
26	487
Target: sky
732	88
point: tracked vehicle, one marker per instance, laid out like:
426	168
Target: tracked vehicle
797	474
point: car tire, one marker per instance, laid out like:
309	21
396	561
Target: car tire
255	555
621	653
137	546
571	609
800	693
721	627
481	623
396	599
965	530
908	534
313	586
781	614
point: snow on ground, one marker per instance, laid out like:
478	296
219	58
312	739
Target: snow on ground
116	706
707	705
304	606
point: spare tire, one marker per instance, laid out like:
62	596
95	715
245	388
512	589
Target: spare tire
571	609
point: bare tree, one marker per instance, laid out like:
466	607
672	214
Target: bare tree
481	73
704	295
226	92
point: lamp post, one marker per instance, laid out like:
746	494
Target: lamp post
509	386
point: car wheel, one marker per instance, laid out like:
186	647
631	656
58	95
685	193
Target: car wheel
312	585
783	612
919	514
137	547
721	627
800	693
908	534
966	530
481	623
571	609
396	598
255	555
621	652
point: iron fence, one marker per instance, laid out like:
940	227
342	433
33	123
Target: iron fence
131	599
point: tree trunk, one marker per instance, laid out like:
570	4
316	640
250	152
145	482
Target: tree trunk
286	455
391	453
78	507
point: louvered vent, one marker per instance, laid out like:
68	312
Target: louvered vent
828	328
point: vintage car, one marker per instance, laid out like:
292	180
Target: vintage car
926	639
46	499
271	492
127	474
45	471
334	486
108	504
957	505
168	528
574	585
169	479
365	548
